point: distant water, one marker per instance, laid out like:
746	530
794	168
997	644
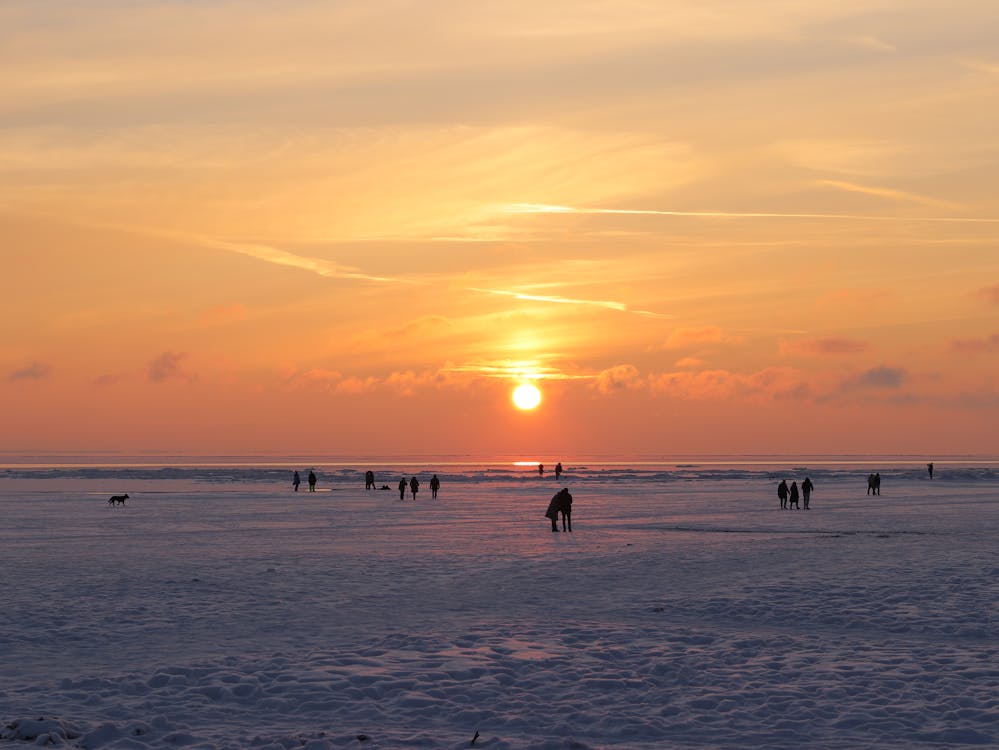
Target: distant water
456	469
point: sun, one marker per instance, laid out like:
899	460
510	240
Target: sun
526	396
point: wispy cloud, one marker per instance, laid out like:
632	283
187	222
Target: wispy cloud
34	371
606	304
544	208
824	346
168	366
990	293
881	377
618	378
986	344
890	194
684	338
872	43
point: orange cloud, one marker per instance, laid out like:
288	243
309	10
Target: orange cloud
618	378
983	345
683	338
168	366
766	384
990	293
825	346
34	371
688	363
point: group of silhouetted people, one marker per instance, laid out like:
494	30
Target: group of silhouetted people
414	486
789	496
297	480
561	502
874	483
558	470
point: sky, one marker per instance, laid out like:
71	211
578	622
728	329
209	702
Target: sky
352	228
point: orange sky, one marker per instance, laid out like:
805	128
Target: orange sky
350	228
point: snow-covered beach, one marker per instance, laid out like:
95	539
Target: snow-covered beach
218	609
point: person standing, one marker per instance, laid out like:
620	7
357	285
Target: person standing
312	481
558	470
369	480
553	508
793	496
565	506
402	488
929	469
296	480
782	493
806	490
435	484
414	486
541	470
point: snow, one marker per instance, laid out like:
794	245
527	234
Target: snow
219	609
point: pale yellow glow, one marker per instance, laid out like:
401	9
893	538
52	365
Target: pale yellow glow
526	396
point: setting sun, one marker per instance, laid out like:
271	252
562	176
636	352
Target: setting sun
526	396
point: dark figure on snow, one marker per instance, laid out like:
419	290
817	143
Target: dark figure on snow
929	469
806	490
541	470
558	470
402	488
369	480
793	497
874	484
312	481
553	508
435	484
565	508
782	493
296	480
414	486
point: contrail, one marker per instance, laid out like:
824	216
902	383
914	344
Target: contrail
543	208
606	304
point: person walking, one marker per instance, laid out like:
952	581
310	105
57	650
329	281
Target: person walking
782	493
806	490
402	488
414	486
296	480
435	484
793	496
312	481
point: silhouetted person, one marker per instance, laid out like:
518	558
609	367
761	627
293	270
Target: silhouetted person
870	484
296	480
565	507
369	480
877	483
541	470
414	486
793	497
782	493
435	484
558	470
312	481
806	490
929	469
553	508
402	488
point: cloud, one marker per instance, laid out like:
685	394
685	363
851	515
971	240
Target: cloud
683	338
872	43
606	304
825	346
34	371
167	366
767	384
881	377
986	344
890	194
618	378
107	379
355	385
688	363
990	293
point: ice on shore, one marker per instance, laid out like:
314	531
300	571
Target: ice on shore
678	614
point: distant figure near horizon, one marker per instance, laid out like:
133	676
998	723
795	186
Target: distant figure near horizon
402	488
369	480
414	486
296	480
558	470
806	490
874	484
541	470
782	492
793	497
312	481
435	484
929	468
